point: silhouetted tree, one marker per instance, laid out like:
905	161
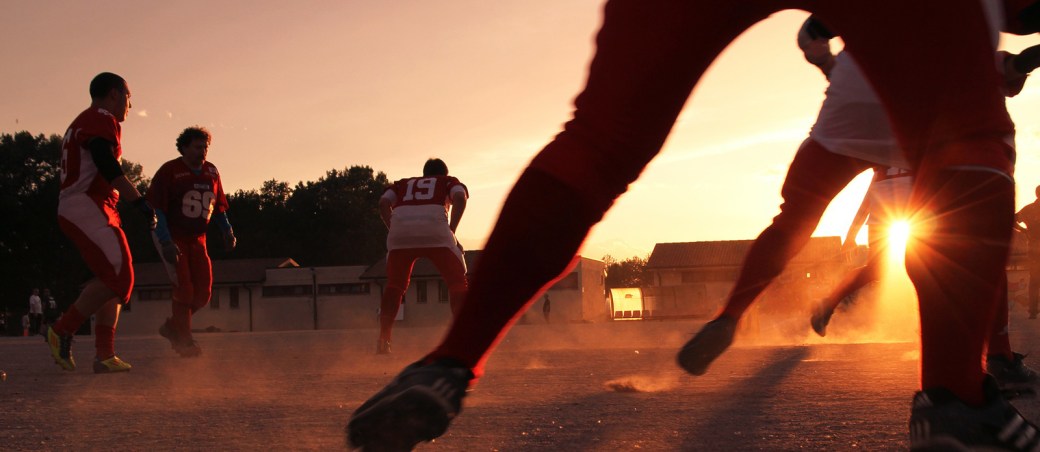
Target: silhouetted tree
630	272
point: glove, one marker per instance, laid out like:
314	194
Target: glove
146	209
229	241
170	252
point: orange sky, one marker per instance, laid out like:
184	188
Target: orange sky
291	90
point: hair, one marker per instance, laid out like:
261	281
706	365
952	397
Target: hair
435	167
191	134
104	83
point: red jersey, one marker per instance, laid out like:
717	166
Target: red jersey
188	198
79	175
420	216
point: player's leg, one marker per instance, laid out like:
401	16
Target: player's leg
816	175
200	281
94	230
853	280
399	265
649	56
177	329
814	178
451	264
107	318
948	113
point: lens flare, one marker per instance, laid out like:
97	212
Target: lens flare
898	236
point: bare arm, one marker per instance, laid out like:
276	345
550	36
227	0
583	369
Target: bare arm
458	207
126	189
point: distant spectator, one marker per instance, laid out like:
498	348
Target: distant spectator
35	312
545	308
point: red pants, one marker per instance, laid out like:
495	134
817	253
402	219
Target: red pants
95	231
194	273
931	64
399	263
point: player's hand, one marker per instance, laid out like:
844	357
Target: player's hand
170	252
230	241
146	209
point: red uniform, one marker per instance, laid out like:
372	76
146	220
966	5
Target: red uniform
944	100
419	227
188	199
87	202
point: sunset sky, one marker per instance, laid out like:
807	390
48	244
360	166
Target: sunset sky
291	90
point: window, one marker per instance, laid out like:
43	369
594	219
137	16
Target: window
287	291
344	289
233	297
420	292
442	291
214	300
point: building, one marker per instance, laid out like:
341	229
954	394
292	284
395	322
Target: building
693	279
278	295
234	306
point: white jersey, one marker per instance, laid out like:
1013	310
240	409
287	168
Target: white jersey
852	121
420	212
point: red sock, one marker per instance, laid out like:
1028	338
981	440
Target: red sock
999	342
69	322
105	341
958	269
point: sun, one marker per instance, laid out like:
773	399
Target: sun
898	236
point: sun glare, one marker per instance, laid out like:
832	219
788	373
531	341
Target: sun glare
898	235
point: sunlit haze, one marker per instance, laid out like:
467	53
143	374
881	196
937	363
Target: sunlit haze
291	90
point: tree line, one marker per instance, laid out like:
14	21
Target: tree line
331	221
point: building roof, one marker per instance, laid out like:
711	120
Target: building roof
423	268
231	271
730	253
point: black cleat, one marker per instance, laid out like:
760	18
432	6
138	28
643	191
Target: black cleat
1013	376
418	405
713	339
939	421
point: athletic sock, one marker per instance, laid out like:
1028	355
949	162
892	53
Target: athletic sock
105	341
957	267
69	322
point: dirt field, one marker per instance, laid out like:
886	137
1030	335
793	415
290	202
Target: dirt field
599	387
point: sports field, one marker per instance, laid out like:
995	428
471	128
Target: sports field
605	387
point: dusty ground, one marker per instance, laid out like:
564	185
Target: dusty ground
601	387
